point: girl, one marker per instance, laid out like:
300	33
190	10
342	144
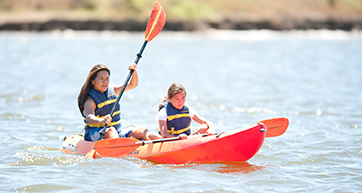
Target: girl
96	100
174	116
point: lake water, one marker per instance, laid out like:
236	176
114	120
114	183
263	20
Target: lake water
314	78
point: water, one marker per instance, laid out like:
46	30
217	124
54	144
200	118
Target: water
232	78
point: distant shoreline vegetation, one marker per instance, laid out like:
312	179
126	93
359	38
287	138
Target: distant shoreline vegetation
185	15
177	26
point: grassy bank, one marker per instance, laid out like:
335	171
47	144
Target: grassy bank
273	12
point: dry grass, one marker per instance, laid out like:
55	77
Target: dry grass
182	10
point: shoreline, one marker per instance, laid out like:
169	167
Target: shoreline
131	25
238	35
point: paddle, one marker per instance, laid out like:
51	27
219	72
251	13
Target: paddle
155	24
121	147
276	126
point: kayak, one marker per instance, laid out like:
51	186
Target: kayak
238	145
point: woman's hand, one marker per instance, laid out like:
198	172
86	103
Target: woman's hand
107	119
132	66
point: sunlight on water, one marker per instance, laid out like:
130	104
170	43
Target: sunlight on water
253	110
265	35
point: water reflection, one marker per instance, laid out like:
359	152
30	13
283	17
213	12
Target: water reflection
223	167
220	167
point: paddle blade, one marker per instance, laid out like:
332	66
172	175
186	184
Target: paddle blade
275	127
91	154
156	22
118	147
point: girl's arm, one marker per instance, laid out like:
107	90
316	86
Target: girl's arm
132	84
201	120
163	129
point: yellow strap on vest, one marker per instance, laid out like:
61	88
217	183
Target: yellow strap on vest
100	105
115	113
172	131
102	125
177	116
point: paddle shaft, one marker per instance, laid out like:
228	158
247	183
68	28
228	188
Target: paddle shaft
139	56
141	143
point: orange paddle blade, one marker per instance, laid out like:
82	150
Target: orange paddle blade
275	127
118	147
156	22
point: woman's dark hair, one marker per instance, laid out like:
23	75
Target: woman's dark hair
83	95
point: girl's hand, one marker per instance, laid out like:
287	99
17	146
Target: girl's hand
211	127
132	66
183	136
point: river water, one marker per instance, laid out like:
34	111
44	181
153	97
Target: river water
314	78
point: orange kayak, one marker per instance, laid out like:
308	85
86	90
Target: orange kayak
237	145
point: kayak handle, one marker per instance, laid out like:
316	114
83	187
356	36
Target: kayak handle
262	127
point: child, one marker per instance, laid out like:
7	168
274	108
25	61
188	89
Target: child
174	116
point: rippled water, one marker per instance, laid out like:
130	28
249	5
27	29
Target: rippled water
314	78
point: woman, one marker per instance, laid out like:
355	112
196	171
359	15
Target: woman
97	98
174	116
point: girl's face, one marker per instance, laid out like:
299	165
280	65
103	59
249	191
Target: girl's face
178	100
101	81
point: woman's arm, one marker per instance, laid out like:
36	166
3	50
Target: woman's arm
132	84
89	107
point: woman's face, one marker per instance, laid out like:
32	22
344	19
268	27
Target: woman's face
178	100
101	81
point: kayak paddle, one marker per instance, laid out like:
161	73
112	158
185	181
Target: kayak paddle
276	126
155	24
116	147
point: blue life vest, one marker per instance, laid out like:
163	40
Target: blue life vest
104	104
178	120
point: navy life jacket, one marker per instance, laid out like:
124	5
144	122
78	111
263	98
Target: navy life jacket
104	104
178	120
